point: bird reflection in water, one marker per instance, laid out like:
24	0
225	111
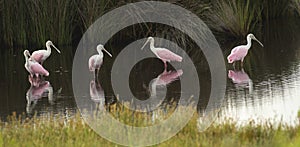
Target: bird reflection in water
39	88
97	94
161	81
241	79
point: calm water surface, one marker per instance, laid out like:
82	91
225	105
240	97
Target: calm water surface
267	88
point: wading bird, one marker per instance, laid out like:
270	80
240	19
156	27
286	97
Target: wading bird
41	55
162	53
33	67
239	53
96	61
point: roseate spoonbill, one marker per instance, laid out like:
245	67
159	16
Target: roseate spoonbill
241	79
41	55
97	94
162	53
239	53
96	61
33	67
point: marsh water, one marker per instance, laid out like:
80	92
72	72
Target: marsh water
266	88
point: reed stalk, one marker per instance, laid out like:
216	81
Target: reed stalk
235	17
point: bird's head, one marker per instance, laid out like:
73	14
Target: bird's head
49	44
251	36
150	39
100	47
26	53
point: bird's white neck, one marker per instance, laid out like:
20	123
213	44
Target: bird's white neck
152	45
26	58
48	48
249	43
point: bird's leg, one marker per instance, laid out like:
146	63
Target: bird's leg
96	74
233	65
242	63
165	63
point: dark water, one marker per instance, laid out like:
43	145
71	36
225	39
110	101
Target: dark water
267	88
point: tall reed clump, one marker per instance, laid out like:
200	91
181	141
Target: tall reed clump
295	4
275	8
1	15
235	17
51	20
14	23
90	10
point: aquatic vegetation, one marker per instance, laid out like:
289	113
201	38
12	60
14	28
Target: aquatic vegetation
51	19
296	5
53	130
275	8
235	17
64	22
14	23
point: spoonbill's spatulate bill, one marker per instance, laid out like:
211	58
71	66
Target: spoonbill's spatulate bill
41	55
162	53
239	53
33	67
96	61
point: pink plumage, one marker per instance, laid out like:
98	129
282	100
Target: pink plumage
41	55
33	67
237	54
167	55
162	53
38	57
36	68
240	52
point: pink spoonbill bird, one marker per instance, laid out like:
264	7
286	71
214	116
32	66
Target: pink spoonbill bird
162	53
33	67
41	55
96	61
239	53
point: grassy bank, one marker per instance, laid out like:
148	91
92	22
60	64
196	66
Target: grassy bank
72	131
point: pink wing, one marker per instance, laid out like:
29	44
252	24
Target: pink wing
237	54
168	55
37	56
37	68
91	64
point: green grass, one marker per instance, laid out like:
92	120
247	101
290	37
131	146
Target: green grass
57	130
